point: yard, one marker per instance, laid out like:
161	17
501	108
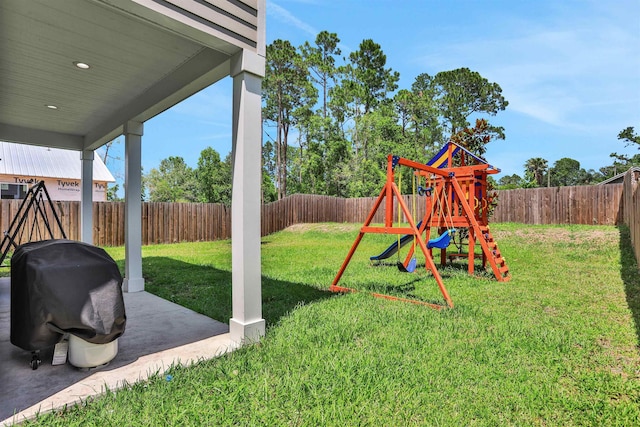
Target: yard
557	345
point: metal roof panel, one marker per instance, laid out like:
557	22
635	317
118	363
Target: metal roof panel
37	161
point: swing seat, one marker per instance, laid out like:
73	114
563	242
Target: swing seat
441	242
410	268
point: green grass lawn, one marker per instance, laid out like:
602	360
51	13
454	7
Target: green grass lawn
557	345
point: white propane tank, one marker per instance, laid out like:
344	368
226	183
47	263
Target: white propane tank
83	354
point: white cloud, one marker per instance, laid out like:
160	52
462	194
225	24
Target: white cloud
283	15
286	18
557	72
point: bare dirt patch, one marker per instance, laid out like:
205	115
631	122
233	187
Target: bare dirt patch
535	235
558	235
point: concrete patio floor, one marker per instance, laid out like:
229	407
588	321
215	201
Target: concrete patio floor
158	334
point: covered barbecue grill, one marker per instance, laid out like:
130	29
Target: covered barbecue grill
64	286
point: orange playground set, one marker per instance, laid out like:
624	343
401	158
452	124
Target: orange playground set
456	196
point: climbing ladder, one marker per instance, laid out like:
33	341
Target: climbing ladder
492	254
481	233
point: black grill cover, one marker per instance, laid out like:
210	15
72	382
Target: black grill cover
60	286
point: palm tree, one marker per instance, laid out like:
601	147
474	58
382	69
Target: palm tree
537	166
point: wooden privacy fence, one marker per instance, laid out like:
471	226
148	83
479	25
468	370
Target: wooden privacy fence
179	222
68	213
631	211
595	204
301	208
601	204
309	208
587	204
163	222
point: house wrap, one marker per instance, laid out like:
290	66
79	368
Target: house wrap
22	165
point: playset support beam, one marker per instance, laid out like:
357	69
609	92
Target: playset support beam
390	191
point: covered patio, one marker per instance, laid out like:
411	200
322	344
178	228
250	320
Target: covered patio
159	334
79	73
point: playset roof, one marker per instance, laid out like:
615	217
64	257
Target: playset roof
451	149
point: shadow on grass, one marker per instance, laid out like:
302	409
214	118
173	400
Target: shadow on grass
630	276
455	268
404	289
207	290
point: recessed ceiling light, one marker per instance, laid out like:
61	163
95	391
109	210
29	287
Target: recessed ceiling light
81	65
51	106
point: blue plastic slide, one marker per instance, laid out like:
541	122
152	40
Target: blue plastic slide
393	248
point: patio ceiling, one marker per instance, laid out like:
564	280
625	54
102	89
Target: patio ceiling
144	57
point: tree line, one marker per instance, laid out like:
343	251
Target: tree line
331	120
567	171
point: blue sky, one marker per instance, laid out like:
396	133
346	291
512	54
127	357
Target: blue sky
570	70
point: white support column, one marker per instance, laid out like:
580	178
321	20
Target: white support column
247	324
86	197
133	280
